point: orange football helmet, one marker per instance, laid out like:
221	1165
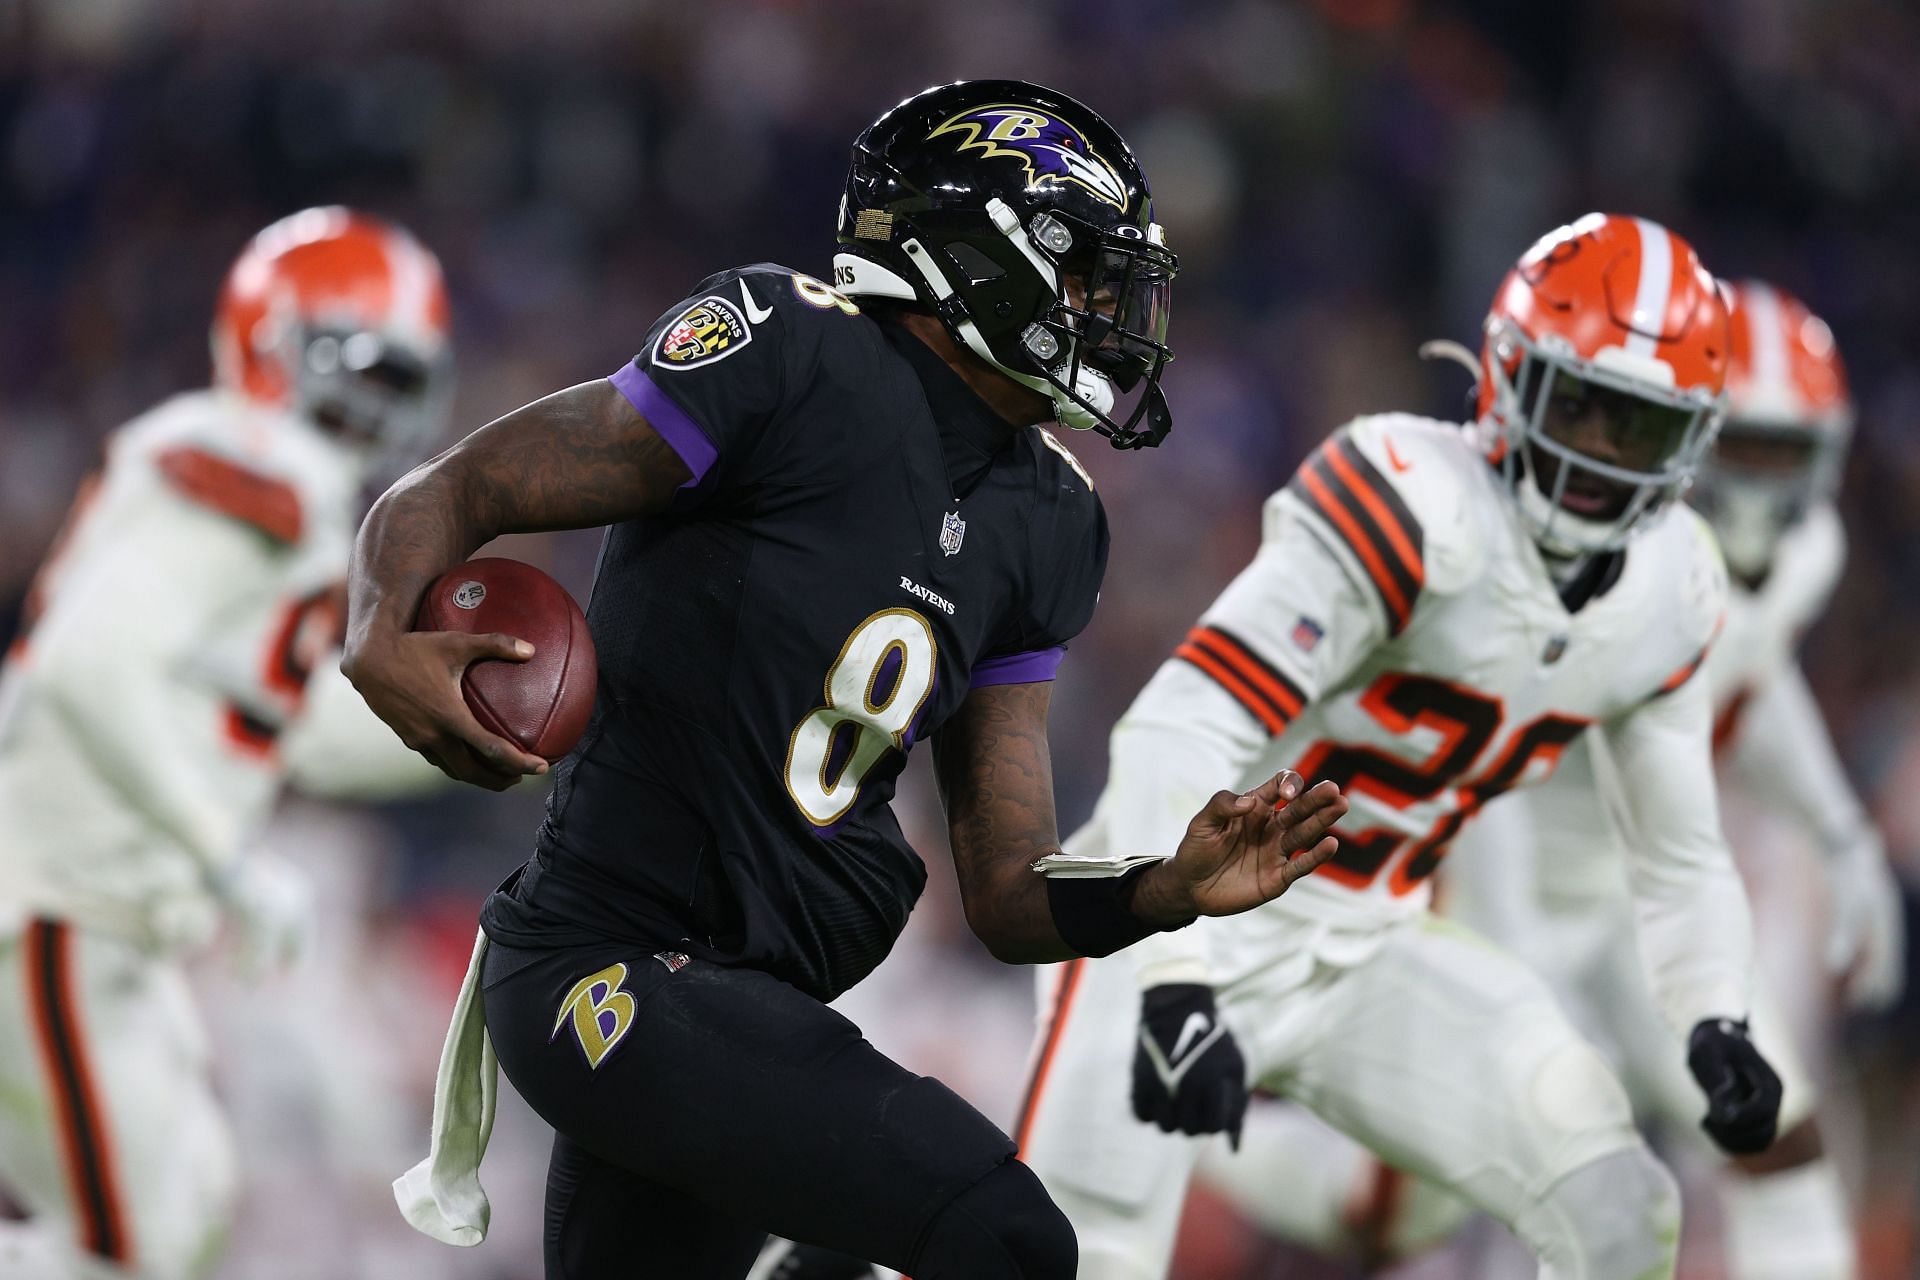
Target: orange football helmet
1789	424
343	319
1600	378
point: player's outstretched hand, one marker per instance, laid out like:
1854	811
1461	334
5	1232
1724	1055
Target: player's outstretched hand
1743	1092
412	681
1243	850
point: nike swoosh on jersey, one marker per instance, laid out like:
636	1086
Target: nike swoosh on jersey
755	312
1393	455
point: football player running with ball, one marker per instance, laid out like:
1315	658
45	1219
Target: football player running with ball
1436	612
836	530
1768	490
178	664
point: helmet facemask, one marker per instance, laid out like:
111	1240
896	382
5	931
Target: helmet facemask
1760	481
1555	410
372	392
1112	296
1095	304
379	396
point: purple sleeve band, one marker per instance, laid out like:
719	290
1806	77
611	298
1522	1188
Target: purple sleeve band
666	417
1017	668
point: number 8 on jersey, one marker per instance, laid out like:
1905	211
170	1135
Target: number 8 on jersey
874	691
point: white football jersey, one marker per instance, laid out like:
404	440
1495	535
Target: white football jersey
178	657
1399	633
1764	625
1765	724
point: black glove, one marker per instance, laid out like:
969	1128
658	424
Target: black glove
1187	1071
1743	1092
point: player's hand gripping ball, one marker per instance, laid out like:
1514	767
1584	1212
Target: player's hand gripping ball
543	703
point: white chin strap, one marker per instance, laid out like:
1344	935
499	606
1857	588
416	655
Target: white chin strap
1090	385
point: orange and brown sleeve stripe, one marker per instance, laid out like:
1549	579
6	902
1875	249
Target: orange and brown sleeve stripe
268	504
1267	694
1367	513
1684	674
1699	660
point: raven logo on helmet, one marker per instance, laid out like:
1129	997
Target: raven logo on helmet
1051	149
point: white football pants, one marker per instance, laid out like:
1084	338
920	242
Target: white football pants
1437	1050
109	1134
1344	1203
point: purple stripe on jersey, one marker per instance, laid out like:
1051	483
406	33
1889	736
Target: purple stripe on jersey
1017	668
667	418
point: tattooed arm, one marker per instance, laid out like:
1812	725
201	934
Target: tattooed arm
576	459
996	779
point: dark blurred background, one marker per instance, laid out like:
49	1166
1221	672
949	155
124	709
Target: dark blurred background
1341	179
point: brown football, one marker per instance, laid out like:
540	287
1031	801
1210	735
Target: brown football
543	703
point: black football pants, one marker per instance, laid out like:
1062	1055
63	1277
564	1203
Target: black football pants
698	1108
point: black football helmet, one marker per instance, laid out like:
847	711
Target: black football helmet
1022	220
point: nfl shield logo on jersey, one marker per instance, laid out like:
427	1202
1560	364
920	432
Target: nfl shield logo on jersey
952	529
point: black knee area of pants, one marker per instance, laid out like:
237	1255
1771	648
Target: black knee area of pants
1003	1227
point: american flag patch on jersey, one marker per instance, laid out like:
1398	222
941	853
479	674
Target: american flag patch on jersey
1307	633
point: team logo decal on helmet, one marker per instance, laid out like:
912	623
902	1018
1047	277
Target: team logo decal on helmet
1051	149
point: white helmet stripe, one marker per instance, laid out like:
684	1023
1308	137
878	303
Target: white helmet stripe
1766	341
411	283
1656	286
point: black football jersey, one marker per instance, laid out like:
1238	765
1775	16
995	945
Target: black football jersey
861	543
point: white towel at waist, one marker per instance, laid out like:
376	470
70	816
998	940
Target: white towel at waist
441	1195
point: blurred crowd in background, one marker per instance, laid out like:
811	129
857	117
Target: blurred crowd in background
1341	179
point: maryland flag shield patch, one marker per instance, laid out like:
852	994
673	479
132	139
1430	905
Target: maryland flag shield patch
708	330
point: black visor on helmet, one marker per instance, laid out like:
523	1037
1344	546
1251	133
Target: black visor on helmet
1119	306
1111	314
